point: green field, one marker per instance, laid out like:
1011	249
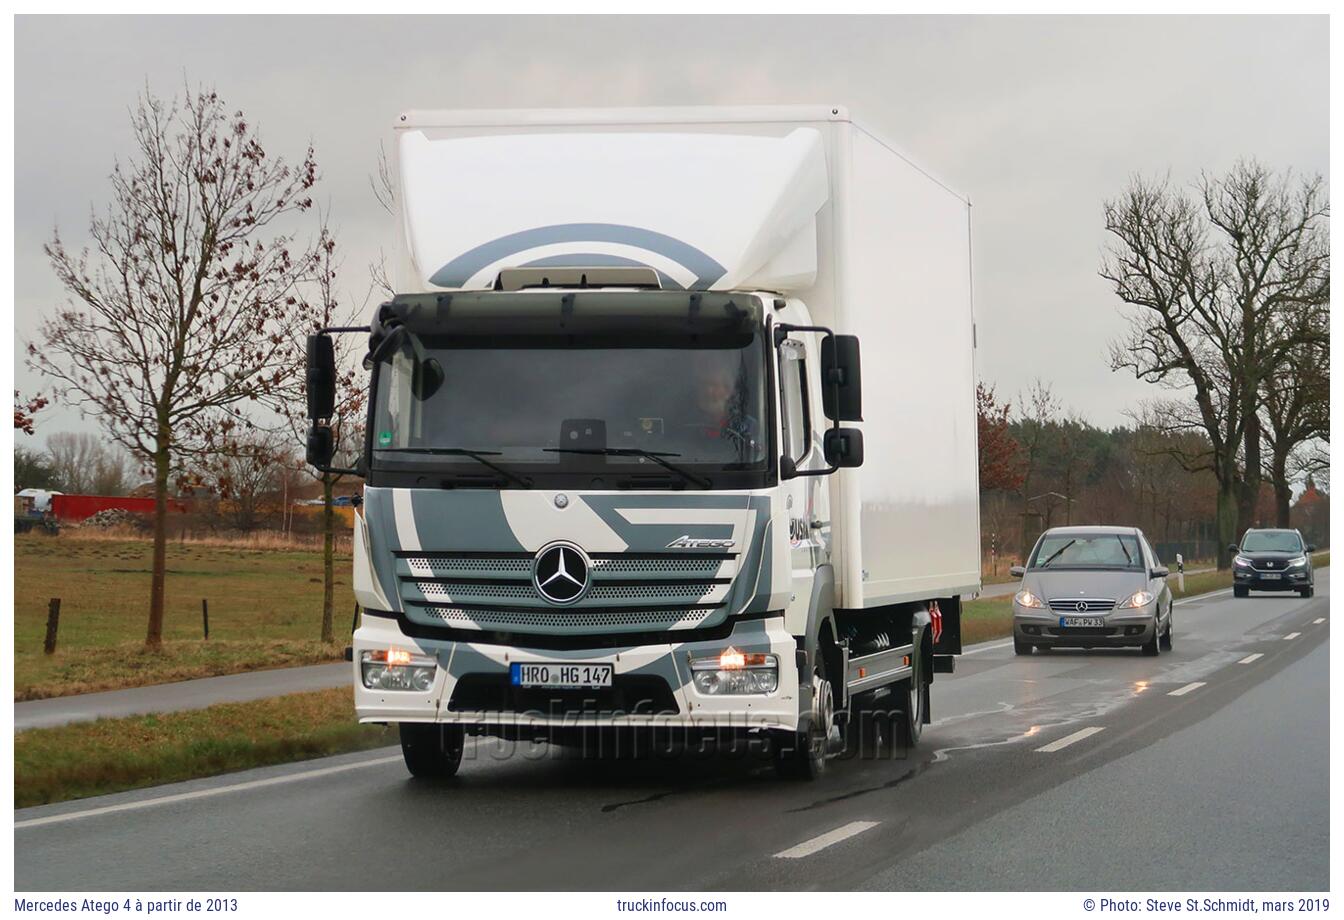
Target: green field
110	755
265	611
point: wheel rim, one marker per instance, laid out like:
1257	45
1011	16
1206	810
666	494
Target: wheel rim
823	706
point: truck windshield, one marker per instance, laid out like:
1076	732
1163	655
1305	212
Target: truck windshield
542	410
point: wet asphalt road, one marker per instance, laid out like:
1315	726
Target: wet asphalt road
1222	786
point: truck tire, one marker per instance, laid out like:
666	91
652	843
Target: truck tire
914	698
431	751
802	755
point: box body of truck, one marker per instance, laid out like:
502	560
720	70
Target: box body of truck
552	262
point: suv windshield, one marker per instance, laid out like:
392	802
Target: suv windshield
518	408
1271	541
1087	551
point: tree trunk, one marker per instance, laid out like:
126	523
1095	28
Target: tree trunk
328	552
1248	502
154	636
1283	489
1227	520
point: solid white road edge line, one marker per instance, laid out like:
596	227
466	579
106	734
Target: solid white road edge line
1187	688
1249	658
1293	635
203	793
1069	739
830	838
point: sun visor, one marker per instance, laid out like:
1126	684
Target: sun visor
706	211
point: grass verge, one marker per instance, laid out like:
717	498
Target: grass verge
265	611
113	755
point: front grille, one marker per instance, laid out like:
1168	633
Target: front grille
494	590
1090	605
1080	632
629	694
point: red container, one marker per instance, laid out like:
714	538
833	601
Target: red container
79	507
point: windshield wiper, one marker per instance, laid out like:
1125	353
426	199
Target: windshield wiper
477	455
1128	559
1056	553
635	452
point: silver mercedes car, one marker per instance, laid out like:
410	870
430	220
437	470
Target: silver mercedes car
1085	587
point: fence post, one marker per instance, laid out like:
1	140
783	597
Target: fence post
205	617
53	620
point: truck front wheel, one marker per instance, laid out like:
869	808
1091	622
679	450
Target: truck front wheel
802	755
431	751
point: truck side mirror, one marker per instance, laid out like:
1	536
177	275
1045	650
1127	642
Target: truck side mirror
841	379
321	446
320	379
843	447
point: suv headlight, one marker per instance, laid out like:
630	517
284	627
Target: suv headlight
1242	561
734	672
396	669
1027	599
1296	561
1138	599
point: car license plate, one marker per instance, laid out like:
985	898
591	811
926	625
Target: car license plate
1269	576
560	675
1081	621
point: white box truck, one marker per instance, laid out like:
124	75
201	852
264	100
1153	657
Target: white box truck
623	467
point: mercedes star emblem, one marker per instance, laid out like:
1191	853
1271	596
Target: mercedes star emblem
1080	606
560	573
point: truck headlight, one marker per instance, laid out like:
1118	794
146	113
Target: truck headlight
1138	599
396	669
1027	599
734	672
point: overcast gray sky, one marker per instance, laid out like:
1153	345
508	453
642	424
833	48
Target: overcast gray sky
1036	119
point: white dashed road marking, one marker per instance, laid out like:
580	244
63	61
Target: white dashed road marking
830	838
1187	688
1068	739
1291	636
1318	621
1249	658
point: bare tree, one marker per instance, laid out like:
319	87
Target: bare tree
180	313
1212	280
84	463
1039	408
1295	416
248	475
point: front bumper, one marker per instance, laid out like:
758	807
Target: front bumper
1287	580
652	684
1120	630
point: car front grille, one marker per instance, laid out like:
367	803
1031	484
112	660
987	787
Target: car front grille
1089	605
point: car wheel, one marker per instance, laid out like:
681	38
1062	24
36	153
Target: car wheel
1020	647
1166	636
1308	591
1239	591
431	751
1153	645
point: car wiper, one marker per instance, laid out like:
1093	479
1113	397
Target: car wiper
477	455
635	452
1129	559
1056	553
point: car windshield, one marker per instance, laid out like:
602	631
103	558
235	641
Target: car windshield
517	409
1087	551
1271	541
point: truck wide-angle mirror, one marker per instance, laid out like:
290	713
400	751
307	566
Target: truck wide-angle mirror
320	379
843	447
321	446
841	381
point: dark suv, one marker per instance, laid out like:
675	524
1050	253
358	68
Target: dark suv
1272	560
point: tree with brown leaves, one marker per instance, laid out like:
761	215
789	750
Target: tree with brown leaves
182	308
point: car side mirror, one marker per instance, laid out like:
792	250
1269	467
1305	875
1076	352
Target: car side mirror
841	379
843	447
1231	547
320	378
1311	547
1017	571
1160	572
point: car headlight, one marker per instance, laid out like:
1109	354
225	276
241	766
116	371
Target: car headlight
1138	599
1296	561
1242	561
734	672
396	669
1027	599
